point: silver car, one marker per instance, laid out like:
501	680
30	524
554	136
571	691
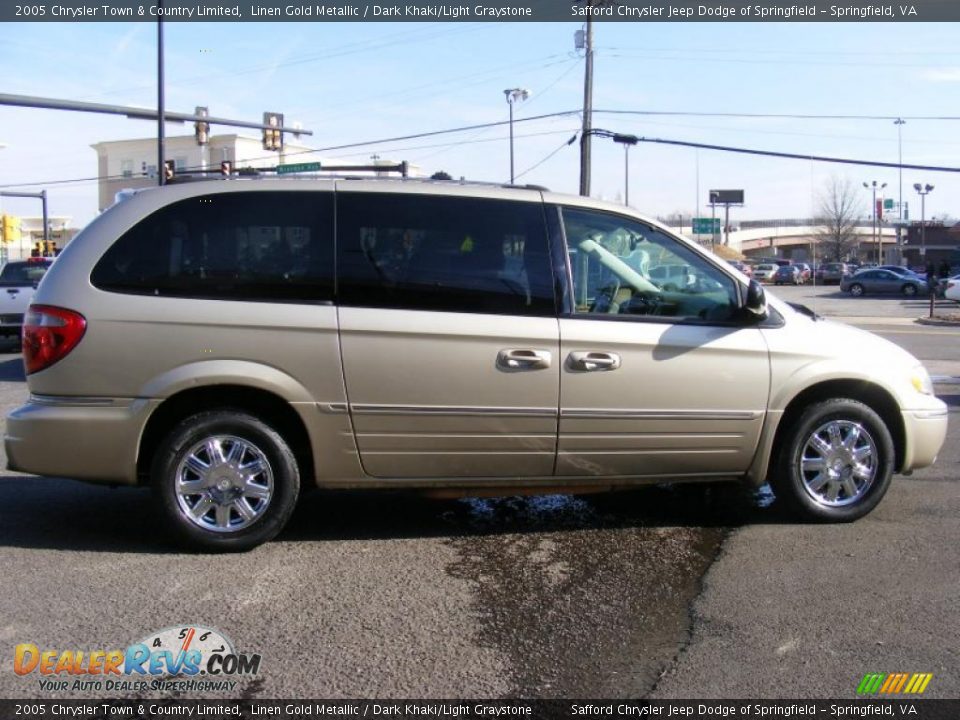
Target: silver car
230	344
874	281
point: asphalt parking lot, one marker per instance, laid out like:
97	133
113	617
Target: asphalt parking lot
695	591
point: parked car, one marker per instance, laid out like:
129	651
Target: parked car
882	281
765	272
227	343
903	271
832	272
18	282
951	288
672	277
788	274
743	267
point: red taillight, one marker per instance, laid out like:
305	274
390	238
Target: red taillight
49	334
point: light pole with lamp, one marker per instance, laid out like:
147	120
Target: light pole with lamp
626	141
512	95
900	122
923	191
876	236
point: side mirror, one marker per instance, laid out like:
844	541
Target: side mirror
756	300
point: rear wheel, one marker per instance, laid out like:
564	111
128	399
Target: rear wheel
225	481
856	290
835	463
909	290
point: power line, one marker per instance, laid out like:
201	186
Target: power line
798	156
550	155
775	116
663	141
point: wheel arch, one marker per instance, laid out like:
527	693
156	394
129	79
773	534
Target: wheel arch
262	404
870	394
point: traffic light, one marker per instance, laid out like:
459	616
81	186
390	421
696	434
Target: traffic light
272	135
10	228
226	168
169	170
202	129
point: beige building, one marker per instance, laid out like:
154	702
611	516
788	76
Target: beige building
131	164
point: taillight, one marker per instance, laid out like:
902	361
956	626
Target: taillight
49	334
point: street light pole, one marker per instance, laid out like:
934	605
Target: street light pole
512	95
161	150
626	141
923	191
900	122
876	223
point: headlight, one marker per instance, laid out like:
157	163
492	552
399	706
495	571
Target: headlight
920	379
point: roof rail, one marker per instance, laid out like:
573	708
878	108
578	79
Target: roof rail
338	172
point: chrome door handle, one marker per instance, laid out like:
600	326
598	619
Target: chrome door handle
522	359
591	361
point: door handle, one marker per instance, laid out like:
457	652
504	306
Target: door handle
522	359
592	361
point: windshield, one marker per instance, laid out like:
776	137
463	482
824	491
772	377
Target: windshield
23	273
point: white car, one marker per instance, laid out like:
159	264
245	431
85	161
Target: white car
765	272
952	289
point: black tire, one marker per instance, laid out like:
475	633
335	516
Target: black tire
255	441
909	290
856	290
797	490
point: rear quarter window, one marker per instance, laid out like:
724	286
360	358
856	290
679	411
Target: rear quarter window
257	246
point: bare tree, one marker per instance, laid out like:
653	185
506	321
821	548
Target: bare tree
836	235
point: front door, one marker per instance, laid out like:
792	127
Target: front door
449	334
659	376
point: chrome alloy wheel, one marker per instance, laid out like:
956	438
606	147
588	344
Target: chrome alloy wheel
838	463
224	483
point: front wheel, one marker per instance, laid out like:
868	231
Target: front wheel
856	290
835	462
909	290
225	481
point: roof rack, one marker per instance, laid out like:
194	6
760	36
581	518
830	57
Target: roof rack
227	170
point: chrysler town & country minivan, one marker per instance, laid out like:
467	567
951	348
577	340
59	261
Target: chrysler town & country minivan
232	342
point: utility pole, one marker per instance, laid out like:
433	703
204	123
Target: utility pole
161	151
585	135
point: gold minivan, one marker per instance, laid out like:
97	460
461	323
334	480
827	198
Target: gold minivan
231	342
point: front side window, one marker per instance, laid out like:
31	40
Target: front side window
267	246
429	252
623	267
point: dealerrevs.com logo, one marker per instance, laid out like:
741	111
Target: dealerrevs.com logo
169	659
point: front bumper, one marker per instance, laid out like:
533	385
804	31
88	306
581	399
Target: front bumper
925	432
93	439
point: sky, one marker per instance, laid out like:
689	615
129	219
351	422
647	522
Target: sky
360	82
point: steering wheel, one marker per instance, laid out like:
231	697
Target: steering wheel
605	296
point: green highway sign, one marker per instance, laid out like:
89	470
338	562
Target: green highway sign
888	203
706	226
297	167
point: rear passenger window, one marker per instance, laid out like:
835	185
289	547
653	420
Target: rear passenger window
427	252
259	246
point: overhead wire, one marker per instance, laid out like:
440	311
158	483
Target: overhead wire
664	141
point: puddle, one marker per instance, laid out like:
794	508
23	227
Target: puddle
589	596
